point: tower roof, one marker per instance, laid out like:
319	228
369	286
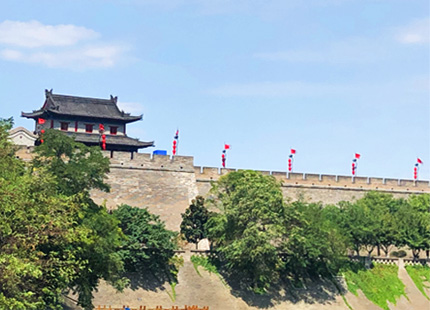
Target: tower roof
74	106
112	141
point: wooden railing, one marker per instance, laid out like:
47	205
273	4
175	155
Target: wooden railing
149	308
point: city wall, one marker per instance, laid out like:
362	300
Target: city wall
166	185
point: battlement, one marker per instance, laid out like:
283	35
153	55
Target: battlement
207	174
146	161
134	160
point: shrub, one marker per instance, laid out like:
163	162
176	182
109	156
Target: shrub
400	253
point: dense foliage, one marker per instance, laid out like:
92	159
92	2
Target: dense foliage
313	245
247	231
262	238
148	245
257	235
54	238
76	167
380	220
194	220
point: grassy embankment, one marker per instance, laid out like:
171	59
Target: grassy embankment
205	263
380	284
421	277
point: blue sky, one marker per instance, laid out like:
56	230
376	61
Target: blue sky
328	78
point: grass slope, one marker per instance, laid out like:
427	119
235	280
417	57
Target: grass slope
380	284
205	263
421	277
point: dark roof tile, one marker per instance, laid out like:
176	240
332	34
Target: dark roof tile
83	107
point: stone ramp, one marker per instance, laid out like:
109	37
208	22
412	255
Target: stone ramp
209	290
416	301
361	302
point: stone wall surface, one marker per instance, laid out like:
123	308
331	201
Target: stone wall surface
163	185
166	185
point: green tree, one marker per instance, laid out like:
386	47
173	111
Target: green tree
52	238
148	245
372	221
313	243
246	232
194	220
360	224
414	223
78	168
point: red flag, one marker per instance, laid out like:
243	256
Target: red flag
419	161
226	146
176	135
357	156
293	151
41	121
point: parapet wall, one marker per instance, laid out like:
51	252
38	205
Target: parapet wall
167	184
324	180
133	160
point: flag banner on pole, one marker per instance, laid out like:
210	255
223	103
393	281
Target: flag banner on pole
41	121
293	151
175	142
419	161
357	156
224	152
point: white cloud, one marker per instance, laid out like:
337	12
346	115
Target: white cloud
131	107
357	50
76	58
281	89
352	50
11	54
416	32
57	46
35	34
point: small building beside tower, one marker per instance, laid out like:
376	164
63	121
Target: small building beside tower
81	117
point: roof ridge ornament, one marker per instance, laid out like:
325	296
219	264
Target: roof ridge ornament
114	99
48	92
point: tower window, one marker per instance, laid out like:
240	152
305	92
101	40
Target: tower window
88	128
64	126
113	130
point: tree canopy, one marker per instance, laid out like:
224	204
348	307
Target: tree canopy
246	232
194	220
53	237
148	245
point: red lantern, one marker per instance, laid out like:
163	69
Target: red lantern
415	173
289	164
101	128
353	168
104	142
41	135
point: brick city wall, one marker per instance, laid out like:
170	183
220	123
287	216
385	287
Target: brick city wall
166	185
